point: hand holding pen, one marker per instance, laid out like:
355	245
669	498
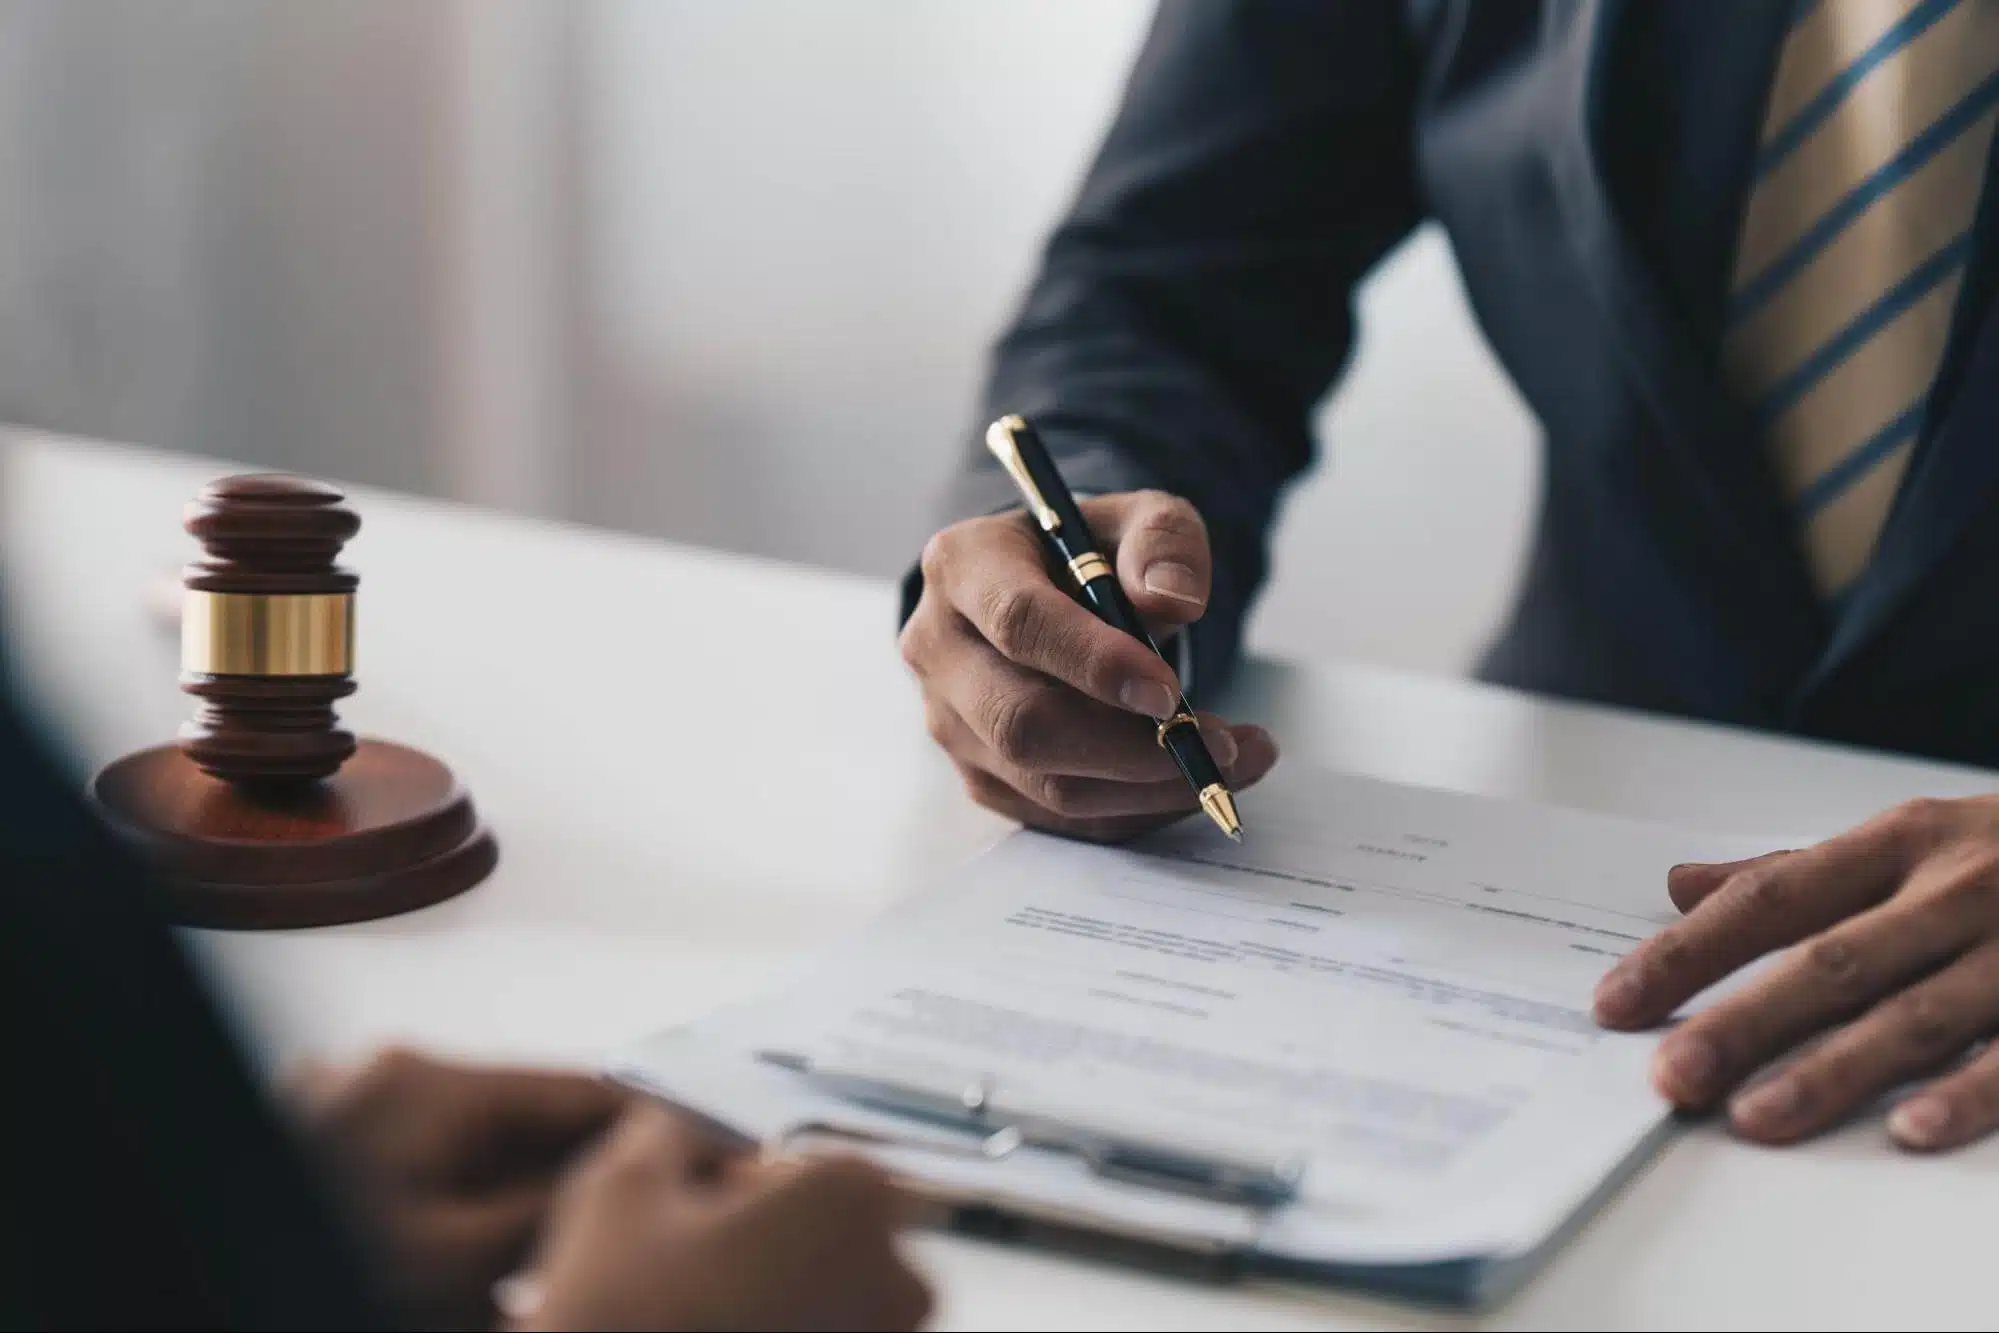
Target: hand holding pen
1051	715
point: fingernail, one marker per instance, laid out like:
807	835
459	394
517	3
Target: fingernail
1617	996
1768	1108
1688	867
1148	697
1170	578
1920	1122
1222	746
1685	1066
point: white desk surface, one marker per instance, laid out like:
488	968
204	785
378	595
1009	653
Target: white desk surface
702	767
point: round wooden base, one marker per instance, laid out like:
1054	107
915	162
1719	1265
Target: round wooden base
390	832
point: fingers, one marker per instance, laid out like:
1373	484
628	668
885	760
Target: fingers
650	1132
1034	725
478	1241
991	573
842	1184
1765	905
336	1092
1163	561
1094	808
1927	1025
1081	745
1955	1109
514	1122
1003	800
446	1254
1693	882
531	1105
649	1231
902	1300
1827	979
501	1225
513	1106
654	1152
840	1214
1896	974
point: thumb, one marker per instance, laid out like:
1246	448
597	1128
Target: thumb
662	1148
511	1123
1162	553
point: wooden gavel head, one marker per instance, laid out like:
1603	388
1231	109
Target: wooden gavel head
267	630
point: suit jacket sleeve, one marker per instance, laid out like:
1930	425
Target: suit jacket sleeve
1196	302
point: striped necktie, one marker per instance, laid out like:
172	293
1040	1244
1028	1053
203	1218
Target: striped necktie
1853	248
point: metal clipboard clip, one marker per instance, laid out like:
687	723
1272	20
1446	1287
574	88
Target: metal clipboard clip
1245	1181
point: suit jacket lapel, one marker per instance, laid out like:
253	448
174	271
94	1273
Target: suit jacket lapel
1700	423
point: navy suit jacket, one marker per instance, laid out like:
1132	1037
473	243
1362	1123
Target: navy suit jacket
1588	160
144	1183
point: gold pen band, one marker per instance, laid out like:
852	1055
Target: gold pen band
1087	566
267	634
1177	720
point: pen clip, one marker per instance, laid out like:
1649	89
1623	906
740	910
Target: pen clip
1107	1152
1000	440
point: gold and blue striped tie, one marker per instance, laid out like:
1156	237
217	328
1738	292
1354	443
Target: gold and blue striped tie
1853	248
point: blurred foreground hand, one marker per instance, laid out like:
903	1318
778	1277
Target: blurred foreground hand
454	1166
661	1229
621	1214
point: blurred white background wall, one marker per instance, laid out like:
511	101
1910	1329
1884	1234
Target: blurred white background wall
721	272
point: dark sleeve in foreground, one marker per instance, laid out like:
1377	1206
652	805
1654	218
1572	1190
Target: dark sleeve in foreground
144	1182
1196	303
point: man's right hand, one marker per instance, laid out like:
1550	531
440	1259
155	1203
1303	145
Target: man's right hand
1050	714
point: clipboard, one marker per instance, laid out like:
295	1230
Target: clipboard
1215	1237
1392	980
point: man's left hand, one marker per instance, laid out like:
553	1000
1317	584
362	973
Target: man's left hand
1896	973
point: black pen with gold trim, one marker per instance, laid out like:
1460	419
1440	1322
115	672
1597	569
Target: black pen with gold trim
1060	524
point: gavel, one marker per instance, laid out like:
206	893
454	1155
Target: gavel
267	812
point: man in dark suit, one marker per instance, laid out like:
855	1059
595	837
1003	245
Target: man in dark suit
144	1183
1740	259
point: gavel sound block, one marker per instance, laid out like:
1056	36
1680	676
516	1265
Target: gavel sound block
268	813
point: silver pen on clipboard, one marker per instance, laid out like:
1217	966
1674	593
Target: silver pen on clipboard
1113	1153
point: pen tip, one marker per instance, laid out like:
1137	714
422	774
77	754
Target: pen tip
1215	799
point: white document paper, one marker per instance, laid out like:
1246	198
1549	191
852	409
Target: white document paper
1391	983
